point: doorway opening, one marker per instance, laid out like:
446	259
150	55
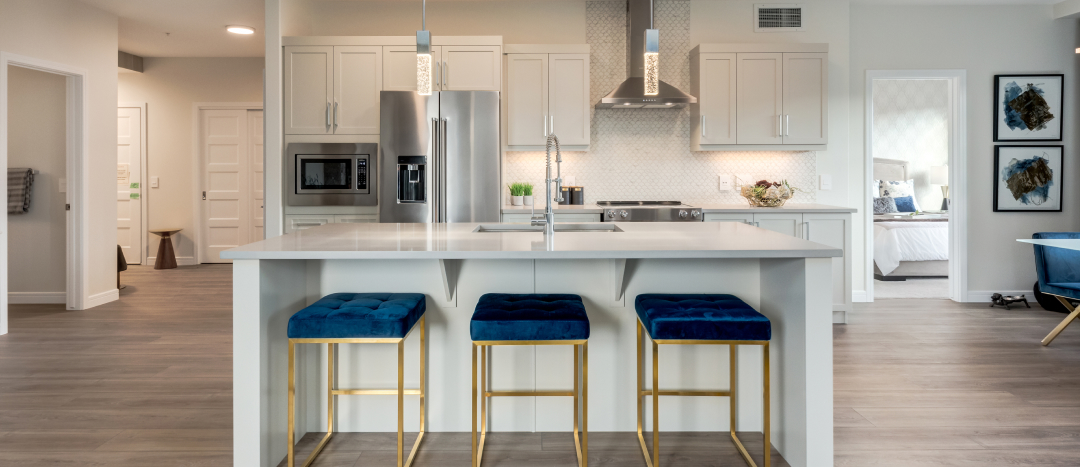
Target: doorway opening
75	150
915	167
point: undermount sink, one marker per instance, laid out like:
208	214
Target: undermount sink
507	228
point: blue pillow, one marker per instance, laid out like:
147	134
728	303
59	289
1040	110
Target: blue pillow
905	204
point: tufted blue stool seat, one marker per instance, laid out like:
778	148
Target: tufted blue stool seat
358	315
701	317
529	317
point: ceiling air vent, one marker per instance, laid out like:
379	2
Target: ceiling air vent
774	17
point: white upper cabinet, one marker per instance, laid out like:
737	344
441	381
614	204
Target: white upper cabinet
309	90
526	99
547	92
568	98
399	67
760	97
357	84
471	68
806	95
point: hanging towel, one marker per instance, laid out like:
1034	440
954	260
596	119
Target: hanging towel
19	183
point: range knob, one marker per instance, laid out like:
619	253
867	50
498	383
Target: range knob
611	214
624	214
696	214
682	214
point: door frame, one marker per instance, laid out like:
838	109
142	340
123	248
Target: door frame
77	159
197	159
958	202
144	187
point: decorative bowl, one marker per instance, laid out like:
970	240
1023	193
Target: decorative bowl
768	194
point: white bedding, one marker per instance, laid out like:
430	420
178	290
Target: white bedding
909	241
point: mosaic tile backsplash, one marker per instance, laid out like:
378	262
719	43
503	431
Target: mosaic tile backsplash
645	154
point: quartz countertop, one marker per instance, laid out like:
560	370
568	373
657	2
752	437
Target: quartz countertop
463	241
559	208
789	207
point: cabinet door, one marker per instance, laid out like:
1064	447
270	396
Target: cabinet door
526	99
717	98
399	68
568	100
471	68
759	101
785	223
806	98
309	89
747	218
294	223
833	230
357	83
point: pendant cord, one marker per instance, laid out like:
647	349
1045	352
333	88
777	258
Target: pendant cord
423	16
652	11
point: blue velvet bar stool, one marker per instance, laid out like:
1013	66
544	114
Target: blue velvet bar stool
531	319
359	318
698	319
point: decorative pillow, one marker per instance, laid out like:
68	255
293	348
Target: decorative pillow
906	204
894	189
885	205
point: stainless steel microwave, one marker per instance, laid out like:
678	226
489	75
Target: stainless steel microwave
332	174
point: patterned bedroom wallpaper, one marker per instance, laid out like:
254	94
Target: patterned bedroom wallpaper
911	123
645	154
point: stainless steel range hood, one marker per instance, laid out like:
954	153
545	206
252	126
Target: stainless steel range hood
631	93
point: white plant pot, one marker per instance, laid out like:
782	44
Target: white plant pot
516	200
528	200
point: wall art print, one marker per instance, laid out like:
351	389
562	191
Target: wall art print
1028	107
1028	178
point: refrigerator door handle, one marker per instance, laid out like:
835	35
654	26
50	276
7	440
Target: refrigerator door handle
434	169
442	172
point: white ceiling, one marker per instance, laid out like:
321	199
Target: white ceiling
196	28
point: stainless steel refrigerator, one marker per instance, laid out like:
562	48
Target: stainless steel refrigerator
440	157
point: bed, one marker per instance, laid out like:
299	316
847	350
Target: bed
906	245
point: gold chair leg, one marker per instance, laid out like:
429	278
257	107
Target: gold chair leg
485	351
585	404
655	404
292	404
577	406
767	433
423	392
1065	322
401	403
732	387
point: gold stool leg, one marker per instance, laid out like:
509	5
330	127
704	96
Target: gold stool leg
401	403
732	387
474	464
292	404
656	404
768	431
485	351
585	404
577	407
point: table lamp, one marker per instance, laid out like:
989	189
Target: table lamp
939	175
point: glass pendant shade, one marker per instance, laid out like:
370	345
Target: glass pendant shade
652	62
423	63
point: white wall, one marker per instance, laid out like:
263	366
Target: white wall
984	40
81	36
911	123
37	139
171	87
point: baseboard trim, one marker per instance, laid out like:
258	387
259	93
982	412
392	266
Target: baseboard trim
180	261
859	296
26	298
984	295
102	298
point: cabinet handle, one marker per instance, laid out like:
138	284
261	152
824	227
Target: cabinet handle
806	228
435	81
756	224
544	117
446	72
335	114
327	113
787	125
553	123
702	126
780	125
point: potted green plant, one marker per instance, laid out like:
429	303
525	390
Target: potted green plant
517	192
527	199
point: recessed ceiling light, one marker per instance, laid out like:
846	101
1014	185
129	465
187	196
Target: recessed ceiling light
240	30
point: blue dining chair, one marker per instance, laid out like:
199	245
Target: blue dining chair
1059	275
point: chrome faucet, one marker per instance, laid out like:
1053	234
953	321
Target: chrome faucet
548	219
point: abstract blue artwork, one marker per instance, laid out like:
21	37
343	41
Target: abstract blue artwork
1028	107
1028	178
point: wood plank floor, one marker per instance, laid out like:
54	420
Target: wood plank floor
938	383
147	381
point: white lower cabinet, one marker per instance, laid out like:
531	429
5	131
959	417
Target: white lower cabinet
524	218
827	228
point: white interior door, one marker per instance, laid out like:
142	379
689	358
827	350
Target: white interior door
129	157
255	138
227	207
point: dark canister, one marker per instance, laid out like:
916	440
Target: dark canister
577	195
565	195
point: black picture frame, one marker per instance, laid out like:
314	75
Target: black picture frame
1058	177
1057	107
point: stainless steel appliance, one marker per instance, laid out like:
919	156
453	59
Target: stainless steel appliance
332	174
440	157
649	211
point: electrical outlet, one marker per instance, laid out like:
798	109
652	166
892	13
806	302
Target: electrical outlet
824	182
725	182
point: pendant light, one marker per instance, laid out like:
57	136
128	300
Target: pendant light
652	56
423	56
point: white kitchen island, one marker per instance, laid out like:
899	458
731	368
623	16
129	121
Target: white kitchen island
788	279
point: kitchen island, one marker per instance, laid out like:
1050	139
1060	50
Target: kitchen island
786	278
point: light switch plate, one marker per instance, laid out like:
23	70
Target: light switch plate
824	182
63	185
153	182
726	182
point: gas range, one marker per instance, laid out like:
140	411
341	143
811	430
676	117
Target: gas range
649	211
